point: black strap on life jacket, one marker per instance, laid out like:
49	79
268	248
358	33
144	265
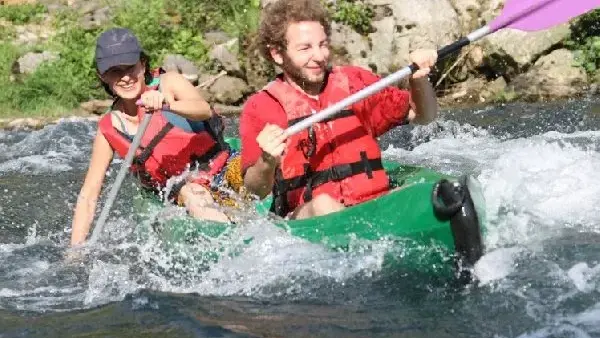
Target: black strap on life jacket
147	151
312	179
213	126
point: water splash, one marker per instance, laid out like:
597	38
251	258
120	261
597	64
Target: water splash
539	189
53	149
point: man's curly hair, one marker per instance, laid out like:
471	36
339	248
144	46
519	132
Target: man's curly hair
277	16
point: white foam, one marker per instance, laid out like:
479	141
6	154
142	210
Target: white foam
542	180
583	276
534	188
496	265
50	150
108	282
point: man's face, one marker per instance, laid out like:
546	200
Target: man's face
306	55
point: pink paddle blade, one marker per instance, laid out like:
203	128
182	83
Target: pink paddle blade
533	15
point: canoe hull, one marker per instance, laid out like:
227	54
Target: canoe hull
434	221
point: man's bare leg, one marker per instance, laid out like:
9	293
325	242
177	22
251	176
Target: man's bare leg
322	204
198	201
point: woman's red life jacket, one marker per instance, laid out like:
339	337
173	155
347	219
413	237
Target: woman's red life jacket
167	150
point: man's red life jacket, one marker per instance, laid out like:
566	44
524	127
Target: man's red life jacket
337	156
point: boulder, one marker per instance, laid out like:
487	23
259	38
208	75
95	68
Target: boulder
351	44
226	56
228	90
96	107
31	34
29	62
402	27
25	124
553	76
96	17
473	14
509	52
215	38
178	63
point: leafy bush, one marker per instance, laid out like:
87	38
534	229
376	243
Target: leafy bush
60	85
352	13
588	54
24	13
158	32
585	41
235	17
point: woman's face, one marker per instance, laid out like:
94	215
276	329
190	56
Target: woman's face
127	82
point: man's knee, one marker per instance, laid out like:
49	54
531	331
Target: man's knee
320	205
323	204
194	193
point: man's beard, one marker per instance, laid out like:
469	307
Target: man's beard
302	80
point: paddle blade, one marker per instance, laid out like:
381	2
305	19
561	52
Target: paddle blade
534	15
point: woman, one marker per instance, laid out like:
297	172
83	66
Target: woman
188	135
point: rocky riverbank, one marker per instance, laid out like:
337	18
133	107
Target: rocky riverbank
507	65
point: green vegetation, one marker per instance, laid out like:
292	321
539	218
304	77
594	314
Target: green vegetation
22	14
585	41
235	17
504	96
163	27
355	14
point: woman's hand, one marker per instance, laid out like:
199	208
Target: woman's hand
153	100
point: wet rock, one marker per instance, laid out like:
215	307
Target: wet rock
492	89
552	76
464	92
227	110
473	91
29	62
206	94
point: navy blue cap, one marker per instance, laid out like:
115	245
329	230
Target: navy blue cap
115	47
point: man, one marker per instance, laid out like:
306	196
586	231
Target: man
337	162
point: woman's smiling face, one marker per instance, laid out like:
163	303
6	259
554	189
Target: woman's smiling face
126	81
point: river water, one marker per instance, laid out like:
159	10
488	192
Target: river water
540	276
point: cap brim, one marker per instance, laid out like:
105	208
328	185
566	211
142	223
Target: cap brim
117	60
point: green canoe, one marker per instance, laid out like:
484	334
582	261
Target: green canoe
436	221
